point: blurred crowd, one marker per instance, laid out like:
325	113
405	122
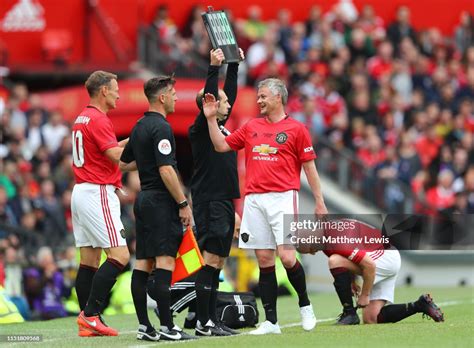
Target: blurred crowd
401	100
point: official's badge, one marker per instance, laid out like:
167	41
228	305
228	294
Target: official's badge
164	146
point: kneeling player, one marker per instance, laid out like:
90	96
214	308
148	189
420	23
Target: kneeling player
379	269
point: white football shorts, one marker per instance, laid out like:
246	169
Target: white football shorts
386	271
262	221
96	216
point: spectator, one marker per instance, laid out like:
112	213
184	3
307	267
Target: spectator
466	92
54	131
254	28
45	288
54	224
360	45
410	163
326	38
34	134
371	24
7	217
264	48
14	281
428	146
194	19
464	32
372	153
164	28
388	171
311	117
442	195
285	30
361	108
18	121
382	63
314	18
401	27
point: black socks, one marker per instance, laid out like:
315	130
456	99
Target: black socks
268	285
103	281
297	278
139	287
342	284
396	312
213	298
84	277
160	291
204	282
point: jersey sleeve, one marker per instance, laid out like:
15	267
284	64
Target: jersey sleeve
127	154
163	143
304	145
236	140
355	255
103	134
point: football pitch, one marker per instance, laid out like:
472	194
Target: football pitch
457	330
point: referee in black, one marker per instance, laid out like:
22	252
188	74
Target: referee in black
160	209
214	185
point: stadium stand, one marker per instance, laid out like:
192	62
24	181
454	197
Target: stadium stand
391	110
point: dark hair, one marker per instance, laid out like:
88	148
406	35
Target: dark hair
154	86
98	79
200	95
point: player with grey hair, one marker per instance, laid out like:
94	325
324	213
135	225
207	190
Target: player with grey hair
277	147
277	87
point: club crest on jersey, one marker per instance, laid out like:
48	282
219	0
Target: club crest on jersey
164	146
265	149
281	138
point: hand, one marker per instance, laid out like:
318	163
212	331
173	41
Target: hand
363	301
186	215
217	57
355	289
321	211
241	54
210	105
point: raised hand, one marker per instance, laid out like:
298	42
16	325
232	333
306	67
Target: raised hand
209	105
217	57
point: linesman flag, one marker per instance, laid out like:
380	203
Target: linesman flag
189	259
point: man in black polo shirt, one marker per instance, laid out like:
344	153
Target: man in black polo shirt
160	208
214	185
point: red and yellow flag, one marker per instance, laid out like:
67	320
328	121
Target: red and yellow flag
189	259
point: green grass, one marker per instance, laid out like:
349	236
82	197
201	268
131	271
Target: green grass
456	331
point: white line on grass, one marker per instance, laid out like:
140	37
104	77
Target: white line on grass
441	304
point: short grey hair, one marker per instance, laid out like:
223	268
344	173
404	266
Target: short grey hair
276	86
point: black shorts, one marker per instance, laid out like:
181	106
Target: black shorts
215	226
159	231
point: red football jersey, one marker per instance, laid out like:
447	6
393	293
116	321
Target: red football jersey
274	153
92	134
355	241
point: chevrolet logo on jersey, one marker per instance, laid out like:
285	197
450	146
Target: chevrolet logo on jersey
265	149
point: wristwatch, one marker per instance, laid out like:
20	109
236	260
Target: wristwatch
183	204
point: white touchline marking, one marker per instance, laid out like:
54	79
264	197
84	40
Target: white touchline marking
441	304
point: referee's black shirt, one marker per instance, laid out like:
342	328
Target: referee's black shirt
215	173
151	145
